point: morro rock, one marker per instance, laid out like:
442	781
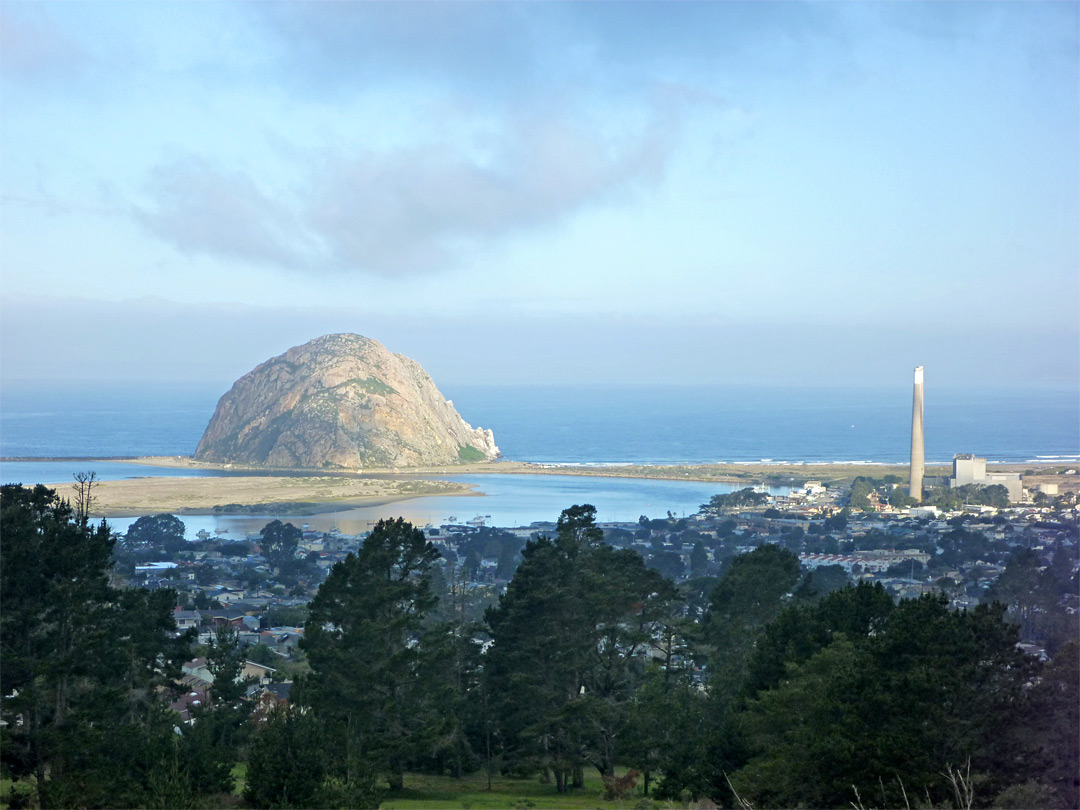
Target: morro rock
340	401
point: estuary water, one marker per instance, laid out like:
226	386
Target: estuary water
502	500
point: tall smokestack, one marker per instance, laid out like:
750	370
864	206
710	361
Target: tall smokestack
918	457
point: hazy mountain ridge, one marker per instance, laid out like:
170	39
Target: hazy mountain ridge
340	401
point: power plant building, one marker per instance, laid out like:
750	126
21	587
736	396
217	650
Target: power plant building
967	468
970	469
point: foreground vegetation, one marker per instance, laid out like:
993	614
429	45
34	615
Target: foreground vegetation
431	791
762	687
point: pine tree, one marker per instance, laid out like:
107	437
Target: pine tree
570	640
370	667
83	662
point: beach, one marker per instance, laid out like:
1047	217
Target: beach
252	495
736	472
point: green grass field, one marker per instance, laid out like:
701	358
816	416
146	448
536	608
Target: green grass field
424	792
21	788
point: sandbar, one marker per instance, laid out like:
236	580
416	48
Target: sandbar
254	495
279	491
732	472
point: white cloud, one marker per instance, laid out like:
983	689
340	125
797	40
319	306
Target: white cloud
411	209
202	208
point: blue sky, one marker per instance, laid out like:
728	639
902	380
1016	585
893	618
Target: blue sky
538	192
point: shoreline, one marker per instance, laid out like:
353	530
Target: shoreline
250	495
727	472
509	465
304	492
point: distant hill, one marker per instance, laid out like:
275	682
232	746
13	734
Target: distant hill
340	401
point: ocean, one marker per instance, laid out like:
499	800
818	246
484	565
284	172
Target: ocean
603	424
563	425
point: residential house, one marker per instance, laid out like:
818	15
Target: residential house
187	619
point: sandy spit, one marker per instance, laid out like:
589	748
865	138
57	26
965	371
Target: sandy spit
730	473
300	495
305	492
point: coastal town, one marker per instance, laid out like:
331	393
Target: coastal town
1023	554
539	406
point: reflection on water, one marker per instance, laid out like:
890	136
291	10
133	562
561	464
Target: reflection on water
502	500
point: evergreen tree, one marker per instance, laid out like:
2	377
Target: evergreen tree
750	594
82	662
699	561
800	631
220	728
1047	732
570	638
287	765
279	543
156	533
888	711
370	668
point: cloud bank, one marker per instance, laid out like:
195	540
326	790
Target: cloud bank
406	210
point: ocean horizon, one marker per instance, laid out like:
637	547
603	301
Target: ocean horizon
582	426
600	425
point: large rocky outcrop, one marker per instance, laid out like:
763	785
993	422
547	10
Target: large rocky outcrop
340	401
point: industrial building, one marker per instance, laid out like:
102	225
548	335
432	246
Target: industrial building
970	469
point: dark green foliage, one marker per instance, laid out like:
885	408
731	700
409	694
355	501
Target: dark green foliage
955	498
906	568
82	661
364	642
664	730
569	637
157	531
576	529
732	500
887	488
837	522
262	654
752	591
814	685
285	616
859	494
530	671
801	631
1032	594
668	564
220	729
726	528
927	688
287	762
488	542
236	548
279	543
899	498
699	561
823	545
1046	733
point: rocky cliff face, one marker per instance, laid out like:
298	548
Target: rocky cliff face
340	401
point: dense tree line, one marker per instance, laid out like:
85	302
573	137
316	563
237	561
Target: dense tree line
767	685
85	668
747	496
